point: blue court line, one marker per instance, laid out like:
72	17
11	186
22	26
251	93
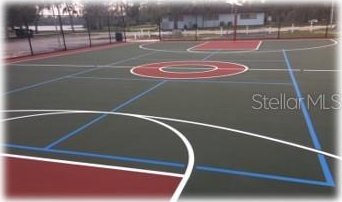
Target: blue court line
69	75
208	56
96	155
86	125
183	80
262	175
49	81
90	123
204	168
310	126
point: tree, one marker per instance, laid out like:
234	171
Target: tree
70	9
19	15
94	13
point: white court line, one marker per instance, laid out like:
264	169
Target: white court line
280	70
334	42
258	46
198	45
191	158
189	148
188	68
322	70
64	53
302	147
51	65
297	70
69	65
121	168
213	68
210	49
190	78
199	68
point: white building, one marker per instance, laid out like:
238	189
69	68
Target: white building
189	21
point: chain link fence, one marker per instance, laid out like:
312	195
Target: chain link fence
51	33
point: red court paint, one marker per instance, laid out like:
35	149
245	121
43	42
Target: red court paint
32	178
218	69
228	45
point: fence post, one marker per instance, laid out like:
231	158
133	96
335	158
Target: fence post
61	28
88	30
235	23
196	31
123	21
326	29
159	30
109	33
124	27
28	36
279	27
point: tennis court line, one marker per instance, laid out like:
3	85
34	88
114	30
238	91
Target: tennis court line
227	48
62	53
48	81
74	74
199	68
121	168
196	46
50	65
97	155
190	152
185	81
50	112
322	70
310	126
55	112
259	44
69	65
204	168
93	121
334	43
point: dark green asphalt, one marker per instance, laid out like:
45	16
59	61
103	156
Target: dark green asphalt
222	101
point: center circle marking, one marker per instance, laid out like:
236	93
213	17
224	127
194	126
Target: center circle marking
219	69
212	68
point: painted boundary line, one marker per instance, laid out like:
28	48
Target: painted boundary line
190	152
67	65
50	112
137	170
191	49
198	45
62	53
191	158
234	61
172	164
97	155
198	63
74	74
259	45
49	81
203	168
93	121
310	127
334	42
186	81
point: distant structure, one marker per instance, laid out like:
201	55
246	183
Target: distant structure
190	21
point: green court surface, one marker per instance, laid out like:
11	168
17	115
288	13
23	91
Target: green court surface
227	162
